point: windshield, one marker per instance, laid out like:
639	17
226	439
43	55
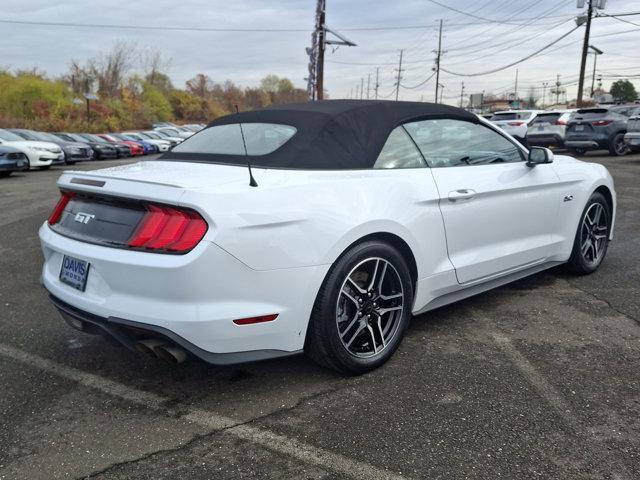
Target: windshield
46	137
169	131
8	136
260	138
154	135
133	136
25	134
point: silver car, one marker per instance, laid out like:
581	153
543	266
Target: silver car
548	128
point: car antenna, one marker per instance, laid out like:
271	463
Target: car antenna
252	181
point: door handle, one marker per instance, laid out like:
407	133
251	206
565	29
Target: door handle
461	194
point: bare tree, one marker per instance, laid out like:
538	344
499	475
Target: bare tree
111	69
200	85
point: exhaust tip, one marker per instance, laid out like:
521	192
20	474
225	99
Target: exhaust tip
171	354
148	346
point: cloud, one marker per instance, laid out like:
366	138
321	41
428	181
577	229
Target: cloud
245	57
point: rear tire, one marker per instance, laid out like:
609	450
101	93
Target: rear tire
592	237
617	146
362	309
4	174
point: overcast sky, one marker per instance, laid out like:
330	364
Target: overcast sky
471	44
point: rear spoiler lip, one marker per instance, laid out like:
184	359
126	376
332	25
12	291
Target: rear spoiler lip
83	178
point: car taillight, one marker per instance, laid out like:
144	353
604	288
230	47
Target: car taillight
168	229
59	208
601	123
516	124
560	122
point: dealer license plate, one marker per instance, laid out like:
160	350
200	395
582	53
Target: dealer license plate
74	272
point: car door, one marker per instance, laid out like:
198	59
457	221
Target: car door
499	213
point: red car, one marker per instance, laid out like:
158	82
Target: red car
136	148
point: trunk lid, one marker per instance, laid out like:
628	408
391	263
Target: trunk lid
174	176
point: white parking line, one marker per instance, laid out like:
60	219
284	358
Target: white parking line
266	438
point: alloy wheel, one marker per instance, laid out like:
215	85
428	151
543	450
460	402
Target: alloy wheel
593	234
369	308
619	145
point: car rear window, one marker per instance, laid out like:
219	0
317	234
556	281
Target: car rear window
512	116
547	118
591	113
260	138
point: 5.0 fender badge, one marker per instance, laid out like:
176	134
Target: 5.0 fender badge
568	198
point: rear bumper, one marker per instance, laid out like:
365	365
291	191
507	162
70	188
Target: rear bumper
544	139
127	332
581	144
194	297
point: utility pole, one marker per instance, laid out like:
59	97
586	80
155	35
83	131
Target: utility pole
585	49
438	54
516	89
377	86
361	88
399	76
319	41
557	89
544	93
322	33
368	85
461	94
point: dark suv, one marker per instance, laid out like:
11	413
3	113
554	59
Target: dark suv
596	128
632	137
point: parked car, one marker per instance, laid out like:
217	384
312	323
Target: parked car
632	137
163	145
149	148
151	135
352	216
135	148
596	128
548	128
123	150
515	122
164	136
73	151
174	132
39	154
101	151
11	160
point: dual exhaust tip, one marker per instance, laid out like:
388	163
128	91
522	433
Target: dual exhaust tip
156	347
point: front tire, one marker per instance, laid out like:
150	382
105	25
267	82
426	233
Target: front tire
362	309
592	238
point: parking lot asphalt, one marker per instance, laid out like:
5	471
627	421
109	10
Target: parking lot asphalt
537	379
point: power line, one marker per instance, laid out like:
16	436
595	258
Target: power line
472	15
513	63
419	84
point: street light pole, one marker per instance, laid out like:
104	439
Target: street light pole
596	52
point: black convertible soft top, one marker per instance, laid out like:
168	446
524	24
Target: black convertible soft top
331	134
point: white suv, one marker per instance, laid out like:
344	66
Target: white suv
548	128
515	122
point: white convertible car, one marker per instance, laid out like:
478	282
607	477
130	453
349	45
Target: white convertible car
318	227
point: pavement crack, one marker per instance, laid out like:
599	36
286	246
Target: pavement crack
607	302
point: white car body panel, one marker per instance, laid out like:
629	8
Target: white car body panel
268	249
40	154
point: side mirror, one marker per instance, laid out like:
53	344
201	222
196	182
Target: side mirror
539	155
